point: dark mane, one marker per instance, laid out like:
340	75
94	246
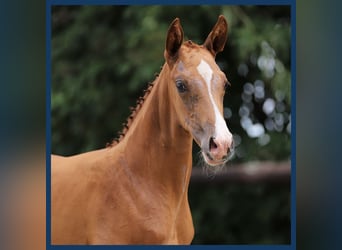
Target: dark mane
134	111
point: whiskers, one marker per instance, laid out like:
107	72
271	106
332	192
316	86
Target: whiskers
210	171
231	154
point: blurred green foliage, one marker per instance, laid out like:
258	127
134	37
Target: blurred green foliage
240	214
104	56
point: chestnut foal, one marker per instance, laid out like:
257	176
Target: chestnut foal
135	191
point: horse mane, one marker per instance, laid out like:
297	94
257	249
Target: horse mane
134	111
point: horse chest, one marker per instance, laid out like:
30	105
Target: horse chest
143	224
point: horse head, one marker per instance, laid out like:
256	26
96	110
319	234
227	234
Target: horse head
197	87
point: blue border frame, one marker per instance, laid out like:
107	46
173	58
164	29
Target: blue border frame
48	124
293	125
174	2
292	4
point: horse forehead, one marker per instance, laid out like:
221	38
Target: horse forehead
205	71
192	59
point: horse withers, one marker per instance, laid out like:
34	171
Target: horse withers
135	191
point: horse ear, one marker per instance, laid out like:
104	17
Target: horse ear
174	39
217	37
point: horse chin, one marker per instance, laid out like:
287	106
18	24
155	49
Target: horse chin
212	162
206	156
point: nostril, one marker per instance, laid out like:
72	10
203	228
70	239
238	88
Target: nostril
220	149
212	144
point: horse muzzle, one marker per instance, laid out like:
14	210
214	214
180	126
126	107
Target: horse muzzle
218	151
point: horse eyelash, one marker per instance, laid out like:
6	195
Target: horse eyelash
181	86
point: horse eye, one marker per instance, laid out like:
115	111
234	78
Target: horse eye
181	86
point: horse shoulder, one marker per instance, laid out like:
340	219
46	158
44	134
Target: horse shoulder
74	183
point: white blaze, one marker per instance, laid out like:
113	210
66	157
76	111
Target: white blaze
221	130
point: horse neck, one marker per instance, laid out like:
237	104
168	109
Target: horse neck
156	146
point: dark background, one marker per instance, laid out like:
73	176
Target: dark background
104	56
